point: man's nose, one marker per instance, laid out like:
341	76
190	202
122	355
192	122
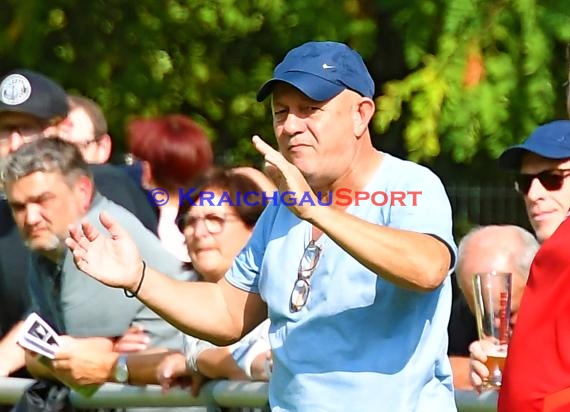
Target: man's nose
293	124
33	214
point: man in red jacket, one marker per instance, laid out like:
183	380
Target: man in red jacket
537	371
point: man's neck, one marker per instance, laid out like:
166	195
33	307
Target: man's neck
55	255
356	178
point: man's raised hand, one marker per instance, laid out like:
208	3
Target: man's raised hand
287	177
113	260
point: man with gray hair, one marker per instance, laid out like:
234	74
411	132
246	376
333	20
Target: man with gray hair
49	187
504	248
33	106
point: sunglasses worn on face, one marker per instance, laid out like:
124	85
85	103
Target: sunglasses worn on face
550	179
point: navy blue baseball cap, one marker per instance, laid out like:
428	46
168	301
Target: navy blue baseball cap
551	141
26	91
321	70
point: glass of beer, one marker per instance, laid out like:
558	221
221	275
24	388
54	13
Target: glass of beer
492	293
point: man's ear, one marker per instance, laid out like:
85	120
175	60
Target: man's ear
147	181
84	191
362	114
104	147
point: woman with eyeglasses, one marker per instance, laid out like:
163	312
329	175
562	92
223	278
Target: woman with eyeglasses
216	231
216	224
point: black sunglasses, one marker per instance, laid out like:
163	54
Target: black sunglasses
549	179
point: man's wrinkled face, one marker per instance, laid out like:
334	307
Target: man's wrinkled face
546	205
317	137
44	204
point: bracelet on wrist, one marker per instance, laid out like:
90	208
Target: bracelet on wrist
134	294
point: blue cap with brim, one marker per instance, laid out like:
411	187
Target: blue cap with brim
551	141
321	70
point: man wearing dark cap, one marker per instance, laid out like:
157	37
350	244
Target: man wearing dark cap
358	296
537	371
32	106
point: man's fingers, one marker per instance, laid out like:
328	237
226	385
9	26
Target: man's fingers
477	373
61	365
125	347
476	351
78	249
74	233
133	340
164	377
111	225
164	386
88	230
476	382
167	372
480	369
476	378
65	348
196	385
261	146
272	156
135	328
71	243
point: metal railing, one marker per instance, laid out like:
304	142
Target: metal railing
214	394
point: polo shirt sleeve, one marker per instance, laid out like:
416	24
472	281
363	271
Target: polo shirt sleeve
244	272
427	211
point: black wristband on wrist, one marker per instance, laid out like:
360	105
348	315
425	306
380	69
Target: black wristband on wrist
136	292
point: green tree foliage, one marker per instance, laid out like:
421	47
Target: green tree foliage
456	78
483	74
204	58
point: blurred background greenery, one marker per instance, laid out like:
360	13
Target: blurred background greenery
457	80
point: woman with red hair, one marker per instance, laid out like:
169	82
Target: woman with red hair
173	150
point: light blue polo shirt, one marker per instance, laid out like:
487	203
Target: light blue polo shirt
360	343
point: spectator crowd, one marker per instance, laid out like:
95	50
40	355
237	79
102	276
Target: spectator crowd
361	306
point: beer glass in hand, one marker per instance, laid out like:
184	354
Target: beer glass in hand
492	293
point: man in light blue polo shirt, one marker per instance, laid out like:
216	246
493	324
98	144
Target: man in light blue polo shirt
357	292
